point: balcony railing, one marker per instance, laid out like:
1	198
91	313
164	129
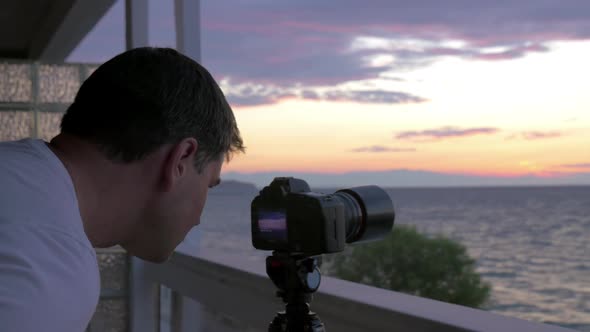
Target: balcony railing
239	293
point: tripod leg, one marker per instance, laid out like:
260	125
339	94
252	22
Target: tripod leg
314	324
279	323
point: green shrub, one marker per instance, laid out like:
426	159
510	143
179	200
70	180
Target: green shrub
409	262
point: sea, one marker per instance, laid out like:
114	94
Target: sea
532	244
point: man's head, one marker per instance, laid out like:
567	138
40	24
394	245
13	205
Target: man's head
157	106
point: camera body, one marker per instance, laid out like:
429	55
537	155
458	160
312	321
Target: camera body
288	217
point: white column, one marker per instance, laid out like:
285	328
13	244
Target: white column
144	294
188	28
187	312
188	42
136	23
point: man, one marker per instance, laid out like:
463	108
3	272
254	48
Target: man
139	147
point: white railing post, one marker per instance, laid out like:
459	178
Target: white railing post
144	299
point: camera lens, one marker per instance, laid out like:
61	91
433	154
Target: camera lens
368	211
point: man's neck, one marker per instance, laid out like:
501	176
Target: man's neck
107	191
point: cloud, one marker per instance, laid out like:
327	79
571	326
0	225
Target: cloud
412	50
381	149
250	94
517	51
581	165
254	94
373	96
316	44
445	132
536	135
308	41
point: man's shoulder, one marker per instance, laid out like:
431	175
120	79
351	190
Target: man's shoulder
26	158
48	258
19	147
36	188
45	244
48	275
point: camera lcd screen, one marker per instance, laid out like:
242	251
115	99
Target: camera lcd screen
273	225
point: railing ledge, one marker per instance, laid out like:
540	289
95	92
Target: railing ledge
240	288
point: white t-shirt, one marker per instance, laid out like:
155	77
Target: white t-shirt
49	279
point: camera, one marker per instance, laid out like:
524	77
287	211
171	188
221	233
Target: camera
288	217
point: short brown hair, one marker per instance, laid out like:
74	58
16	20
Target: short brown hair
147	97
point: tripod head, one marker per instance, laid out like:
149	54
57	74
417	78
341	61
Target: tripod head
297	277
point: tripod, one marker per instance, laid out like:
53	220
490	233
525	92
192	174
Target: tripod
297	277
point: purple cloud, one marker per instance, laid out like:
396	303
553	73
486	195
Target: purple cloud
285	40
310	45
315	44
257	94
373	96
514	52
504	53
535	135
381	149
581	165
445	132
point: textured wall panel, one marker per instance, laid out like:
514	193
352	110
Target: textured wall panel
15	125
15	83
48	124
111	316
58	84
113	270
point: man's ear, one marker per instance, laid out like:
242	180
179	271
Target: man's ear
180	157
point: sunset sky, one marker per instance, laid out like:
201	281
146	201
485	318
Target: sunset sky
483	88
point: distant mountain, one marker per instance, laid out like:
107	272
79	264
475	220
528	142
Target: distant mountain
234	187
407	178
